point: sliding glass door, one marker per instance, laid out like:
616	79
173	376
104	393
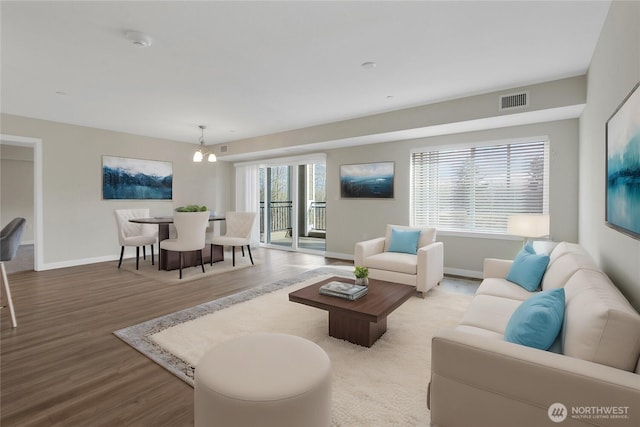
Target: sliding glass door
293	205
276	206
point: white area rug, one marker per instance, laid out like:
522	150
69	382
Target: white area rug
379	386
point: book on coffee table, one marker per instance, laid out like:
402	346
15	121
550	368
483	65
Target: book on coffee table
343	290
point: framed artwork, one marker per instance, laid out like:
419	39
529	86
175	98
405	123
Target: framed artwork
623	166
136	179
367	180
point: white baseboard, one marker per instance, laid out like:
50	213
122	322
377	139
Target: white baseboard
76	262
462	272
338	255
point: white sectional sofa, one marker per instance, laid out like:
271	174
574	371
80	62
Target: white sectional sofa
590	376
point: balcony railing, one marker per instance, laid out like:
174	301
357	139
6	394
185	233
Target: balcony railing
281	211
318	215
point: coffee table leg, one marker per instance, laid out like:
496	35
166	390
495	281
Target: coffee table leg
356	330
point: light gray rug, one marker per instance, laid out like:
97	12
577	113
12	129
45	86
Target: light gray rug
378	386
139	336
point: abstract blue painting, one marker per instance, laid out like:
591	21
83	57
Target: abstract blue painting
136	179
367	180
623	166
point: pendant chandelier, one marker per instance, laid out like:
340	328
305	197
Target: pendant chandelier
200	154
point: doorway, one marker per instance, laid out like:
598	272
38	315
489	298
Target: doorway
293	206
22	165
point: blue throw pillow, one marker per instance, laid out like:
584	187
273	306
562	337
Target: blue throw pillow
537	321
528	268
405	241
529	247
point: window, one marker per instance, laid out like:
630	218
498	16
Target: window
475	189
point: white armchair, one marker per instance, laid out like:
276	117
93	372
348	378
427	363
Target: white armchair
424	270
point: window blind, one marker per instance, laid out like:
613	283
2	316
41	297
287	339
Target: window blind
476	189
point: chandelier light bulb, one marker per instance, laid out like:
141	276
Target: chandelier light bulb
199	155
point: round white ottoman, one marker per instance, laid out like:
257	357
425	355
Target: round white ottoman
265	380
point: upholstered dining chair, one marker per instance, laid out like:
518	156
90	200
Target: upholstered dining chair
9	241
190	228
132	234
239	225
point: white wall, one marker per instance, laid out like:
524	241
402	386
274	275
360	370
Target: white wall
352	220
614	70
16	187
78	226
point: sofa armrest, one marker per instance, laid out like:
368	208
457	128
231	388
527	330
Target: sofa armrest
367	248
496	268
430	266
500	383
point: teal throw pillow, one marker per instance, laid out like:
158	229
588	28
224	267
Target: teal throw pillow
529	247
405	241
537	321
528	268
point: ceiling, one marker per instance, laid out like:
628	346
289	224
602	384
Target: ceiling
246	69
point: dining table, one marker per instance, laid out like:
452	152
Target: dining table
170	260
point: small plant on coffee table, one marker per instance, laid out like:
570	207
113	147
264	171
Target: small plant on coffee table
362	275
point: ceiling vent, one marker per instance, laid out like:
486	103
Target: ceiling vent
513	100
223	148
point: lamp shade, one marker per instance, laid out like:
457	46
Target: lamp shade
528	225
211	157
197	156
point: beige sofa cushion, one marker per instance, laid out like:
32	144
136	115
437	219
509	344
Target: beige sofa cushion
479	331
563	267
599	323
503	288
490	312
564	248
427	235
393	261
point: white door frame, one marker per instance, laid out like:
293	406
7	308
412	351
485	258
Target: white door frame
36	144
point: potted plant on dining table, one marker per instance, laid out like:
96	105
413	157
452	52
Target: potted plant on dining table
191	208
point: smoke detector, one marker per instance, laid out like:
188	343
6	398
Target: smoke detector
139	39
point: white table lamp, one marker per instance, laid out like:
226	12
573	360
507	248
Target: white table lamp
528	225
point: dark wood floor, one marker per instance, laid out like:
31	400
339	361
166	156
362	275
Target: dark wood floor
63	366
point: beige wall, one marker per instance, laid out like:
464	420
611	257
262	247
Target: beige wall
401	124
614	70
16	187
78	226
352	220
477	111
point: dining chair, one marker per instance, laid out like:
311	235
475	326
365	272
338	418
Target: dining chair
239	226
133	234
9	241
190	228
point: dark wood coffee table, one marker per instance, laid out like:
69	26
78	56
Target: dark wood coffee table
362	321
